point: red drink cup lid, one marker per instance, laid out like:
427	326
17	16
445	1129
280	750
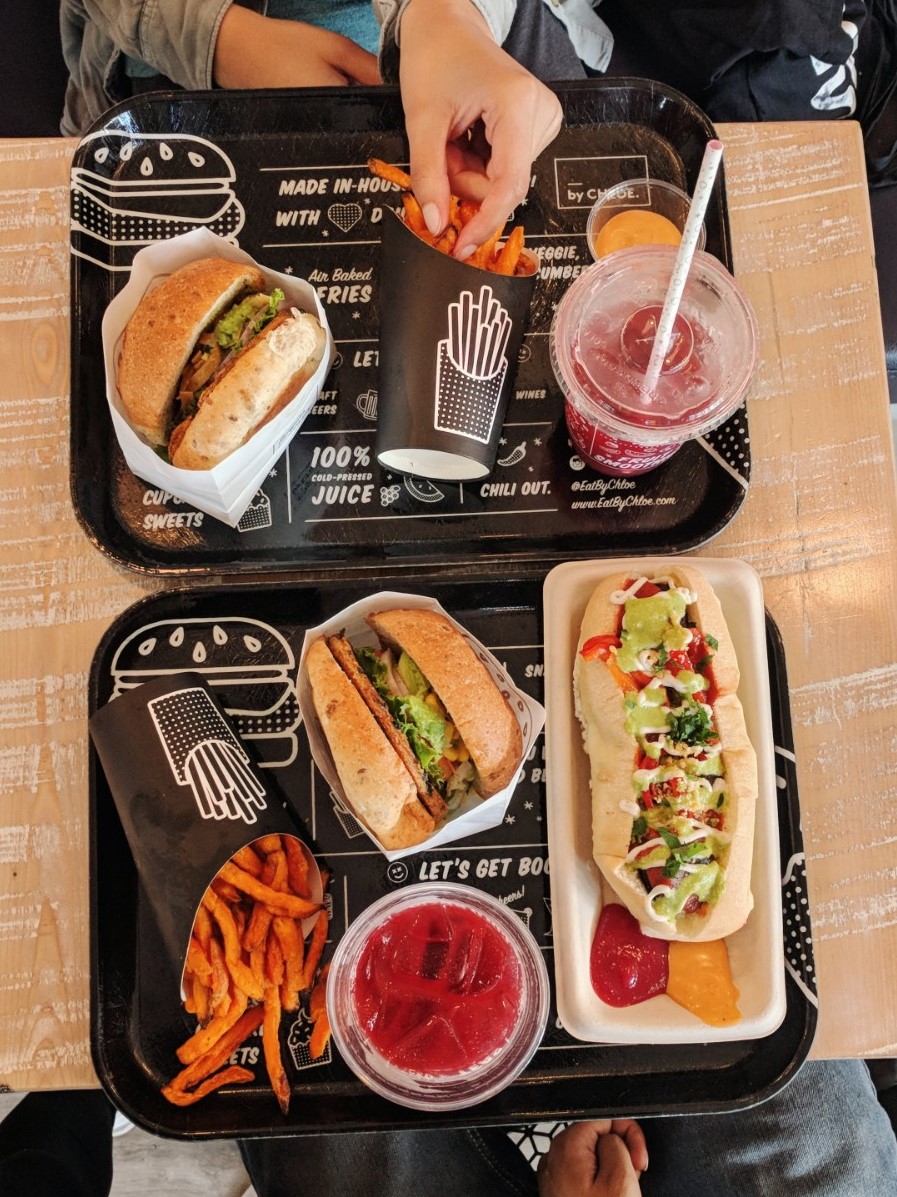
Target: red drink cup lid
602	335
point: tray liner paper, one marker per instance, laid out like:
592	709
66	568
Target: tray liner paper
187	792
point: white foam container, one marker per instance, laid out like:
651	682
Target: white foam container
756	951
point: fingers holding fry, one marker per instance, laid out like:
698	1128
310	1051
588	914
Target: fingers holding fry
488	255
392	174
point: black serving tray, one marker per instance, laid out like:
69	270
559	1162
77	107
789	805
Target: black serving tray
284	174
136	1017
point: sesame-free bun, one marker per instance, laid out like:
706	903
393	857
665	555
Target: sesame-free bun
161	335
259	383
476	706
377	786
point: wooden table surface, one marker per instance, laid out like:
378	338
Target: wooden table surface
818	525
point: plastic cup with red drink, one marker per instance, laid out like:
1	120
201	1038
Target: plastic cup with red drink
437	996
622	422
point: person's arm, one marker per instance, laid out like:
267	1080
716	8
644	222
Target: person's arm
256	51
594	1159
455	78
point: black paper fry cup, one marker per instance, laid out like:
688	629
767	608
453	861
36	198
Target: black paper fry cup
187	792
450	335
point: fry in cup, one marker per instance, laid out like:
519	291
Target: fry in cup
450	336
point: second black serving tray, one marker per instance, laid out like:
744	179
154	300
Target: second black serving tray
285	176
136	1016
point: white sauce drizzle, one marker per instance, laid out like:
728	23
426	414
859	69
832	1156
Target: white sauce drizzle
621	596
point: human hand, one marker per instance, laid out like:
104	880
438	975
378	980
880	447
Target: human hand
257	51
594	1159
454	78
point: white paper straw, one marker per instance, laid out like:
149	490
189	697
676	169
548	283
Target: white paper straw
697	209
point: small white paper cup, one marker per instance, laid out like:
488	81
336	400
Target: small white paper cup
474	814
226	490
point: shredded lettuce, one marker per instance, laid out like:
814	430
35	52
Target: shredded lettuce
255	309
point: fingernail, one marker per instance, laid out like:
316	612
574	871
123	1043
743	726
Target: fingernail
465	253
431	219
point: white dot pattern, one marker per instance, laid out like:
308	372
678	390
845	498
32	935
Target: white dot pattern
732	442
798	939
465	405
185	719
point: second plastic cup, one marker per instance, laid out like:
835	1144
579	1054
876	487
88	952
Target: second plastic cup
638	212
600	344
438	996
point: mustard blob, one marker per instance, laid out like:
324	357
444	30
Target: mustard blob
635	226
700	980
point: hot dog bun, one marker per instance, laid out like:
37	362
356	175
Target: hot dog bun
378	787
619	780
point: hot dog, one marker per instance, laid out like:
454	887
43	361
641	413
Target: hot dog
673	773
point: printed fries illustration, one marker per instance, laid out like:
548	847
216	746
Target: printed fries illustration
499	257
248	962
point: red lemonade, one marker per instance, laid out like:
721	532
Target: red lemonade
438	996
437	989
601	339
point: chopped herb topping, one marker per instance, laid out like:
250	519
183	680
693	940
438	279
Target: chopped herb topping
690	724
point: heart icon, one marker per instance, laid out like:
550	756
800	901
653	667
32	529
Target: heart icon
345	216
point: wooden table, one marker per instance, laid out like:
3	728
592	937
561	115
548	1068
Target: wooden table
818	524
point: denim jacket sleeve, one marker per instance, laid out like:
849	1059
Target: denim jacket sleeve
176	37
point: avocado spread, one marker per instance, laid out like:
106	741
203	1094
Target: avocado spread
653	622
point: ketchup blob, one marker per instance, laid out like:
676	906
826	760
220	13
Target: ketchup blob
626	966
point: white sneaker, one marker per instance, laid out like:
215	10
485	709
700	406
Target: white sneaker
121	1125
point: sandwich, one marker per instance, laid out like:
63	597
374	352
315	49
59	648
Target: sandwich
415	726
673	773
209	356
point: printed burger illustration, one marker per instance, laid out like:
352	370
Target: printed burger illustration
137	188
248	664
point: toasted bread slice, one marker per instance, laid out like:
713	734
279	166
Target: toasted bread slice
345	657
376	784
476	706
162	332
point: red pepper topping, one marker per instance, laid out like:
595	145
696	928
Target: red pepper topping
599	647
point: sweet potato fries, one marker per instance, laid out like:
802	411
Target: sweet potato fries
247	964
501	258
